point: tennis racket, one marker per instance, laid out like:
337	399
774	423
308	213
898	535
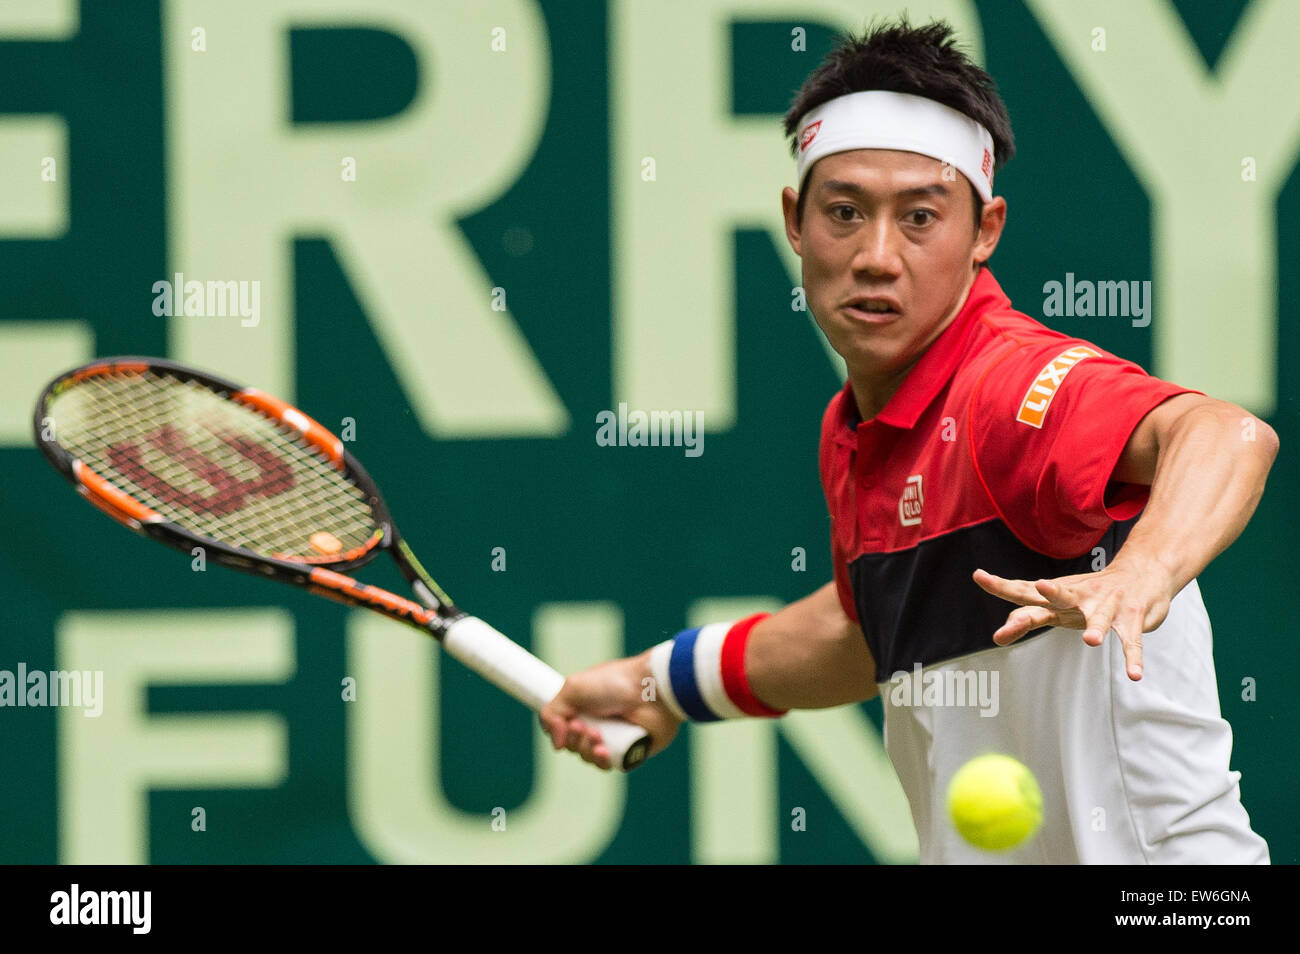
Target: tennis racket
191	460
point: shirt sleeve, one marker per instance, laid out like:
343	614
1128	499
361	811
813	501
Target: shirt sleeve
1048	426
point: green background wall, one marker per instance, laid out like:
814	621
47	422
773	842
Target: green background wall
522	169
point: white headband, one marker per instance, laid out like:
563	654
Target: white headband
877	119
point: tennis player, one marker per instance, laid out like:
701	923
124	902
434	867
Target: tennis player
978	461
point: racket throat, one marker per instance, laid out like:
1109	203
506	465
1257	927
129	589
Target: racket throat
426	595
430	593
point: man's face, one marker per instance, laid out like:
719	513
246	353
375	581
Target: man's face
889	247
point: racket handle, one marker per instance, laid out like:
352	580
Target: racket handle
514	669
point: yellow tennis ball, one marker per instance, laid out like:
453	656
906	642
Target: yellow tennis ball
994	802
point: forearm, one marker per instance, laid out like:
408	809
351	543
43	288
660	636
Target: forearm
807	656
1209	477
810	655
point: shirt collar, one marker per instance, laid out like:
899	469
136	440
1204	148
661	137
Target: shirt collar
936	366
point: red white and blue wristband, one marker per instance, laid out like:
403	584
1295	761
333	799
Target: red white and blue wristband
700	673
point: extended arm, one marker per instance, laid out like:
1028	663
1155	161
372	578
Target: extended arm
1206	462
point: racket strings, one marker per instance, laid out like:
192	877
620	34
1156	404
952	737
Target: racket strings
212	466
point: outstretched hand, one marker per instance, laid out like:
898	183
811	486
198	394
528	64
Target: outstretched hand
1124	598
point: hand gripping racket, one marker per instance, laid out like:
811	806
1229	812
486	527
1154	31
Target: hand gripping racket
191	461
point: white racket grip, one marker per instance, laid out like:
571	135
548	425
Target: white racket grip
506	664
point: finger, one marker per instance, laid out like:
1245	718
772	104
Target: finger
1129	626
596	753
1071	602
1057	594
587	746
1021	621
1014	591
1099	620
575	731
554	716
551	728
547	724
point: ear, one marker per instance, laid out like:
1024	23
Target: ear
790	212
992	220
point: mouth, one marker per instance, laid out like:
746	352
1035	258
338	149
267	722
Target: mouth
873	309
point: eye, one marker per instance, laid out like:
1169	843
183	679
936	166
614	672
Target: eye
843	212
920	217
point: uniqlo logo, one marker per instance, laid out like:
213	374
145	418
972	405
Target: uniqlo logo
909	505
809	134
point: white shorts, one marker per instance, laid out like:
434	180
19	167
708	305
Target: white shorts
1131	772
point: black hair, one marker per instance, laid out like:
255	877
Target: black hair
900	58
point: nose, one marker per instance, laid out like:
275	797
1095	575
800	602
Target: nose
878	251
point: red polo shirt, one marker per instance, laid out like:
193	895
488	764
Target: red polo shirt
996	452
